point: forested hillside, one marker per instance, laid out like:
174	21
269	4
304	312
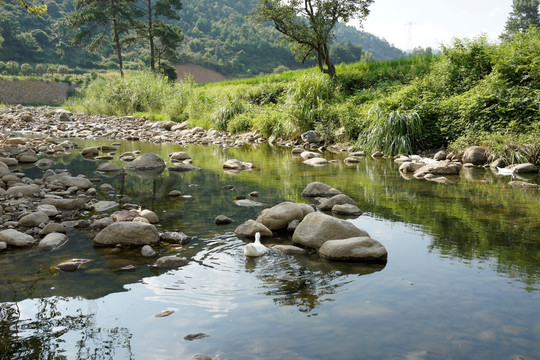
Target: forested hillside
217	35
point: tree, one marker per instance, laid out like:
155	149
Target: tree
26	68
30	7
13	66
308	24
153	28
41	69
523	15
96	19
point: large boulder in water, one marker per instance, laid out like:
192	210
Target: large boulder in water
438	168
317	228
354	249
147	161
127	233
476	155
279	216
251	227
319	189
341	199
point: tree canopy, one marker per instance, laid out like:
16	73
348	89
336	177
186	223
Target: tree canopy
524	14
308	24
29	6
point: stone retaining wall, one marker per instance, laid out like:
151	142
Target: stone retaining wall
33	92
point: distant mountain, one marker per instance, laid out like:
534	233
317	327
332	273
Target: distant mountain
217	35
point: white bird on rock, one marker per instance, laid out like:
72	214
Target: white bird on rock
256	248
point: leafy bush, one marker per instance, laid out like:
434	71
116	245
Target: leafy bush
273	122
393	133
241	123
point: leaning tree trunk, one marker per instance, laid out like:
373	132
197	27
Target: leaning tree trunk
323	58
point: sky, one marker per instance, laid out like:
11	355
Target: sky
427	23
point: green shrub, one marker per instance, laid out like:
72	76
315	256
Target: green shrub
393	133
273	122
231	108
241	123
308	97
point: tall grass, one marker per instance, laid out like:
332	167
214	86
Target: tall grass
392	133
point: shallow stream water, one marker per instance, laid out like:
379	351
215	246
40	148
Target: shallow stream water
462	279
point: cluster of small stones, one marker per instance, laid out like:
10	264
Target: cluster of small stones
443	164
58	123
314	229
36	213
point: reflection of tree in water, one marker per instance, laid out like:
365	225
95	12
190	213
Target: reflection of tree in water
41	337
307	282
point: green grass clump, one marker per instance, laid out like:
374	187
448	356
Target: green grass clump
392	133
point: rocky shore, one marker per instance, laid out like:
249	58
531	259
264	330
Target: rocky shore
37	212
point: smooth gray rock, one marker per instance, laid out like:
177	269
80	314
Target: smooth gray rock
147	251
71	265
354	249
146	161
440	155
179	156
311	136
319	189
182	167
223	220
410	167
33	219
235	164
251	227
26	190
68	181
346	210
279	216
149	215
289	249
108	167
52	241
306	155
53	228
438	168
317	228
3	245
171	262
50	210
104	205
64	204
175	237
341	199
316	162
127	233
476	155
523	184
90	152
16	238
527	168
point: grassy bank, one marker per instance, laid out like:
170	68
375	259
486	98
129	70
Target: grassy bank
474	93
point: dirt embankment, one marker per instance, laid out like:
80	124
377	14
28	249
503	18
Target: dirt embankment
200	74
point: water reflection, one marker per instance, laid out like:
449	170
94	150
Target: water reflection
41	329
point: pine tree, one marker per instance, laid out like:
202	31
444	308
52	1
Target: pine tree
98	20
524	14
